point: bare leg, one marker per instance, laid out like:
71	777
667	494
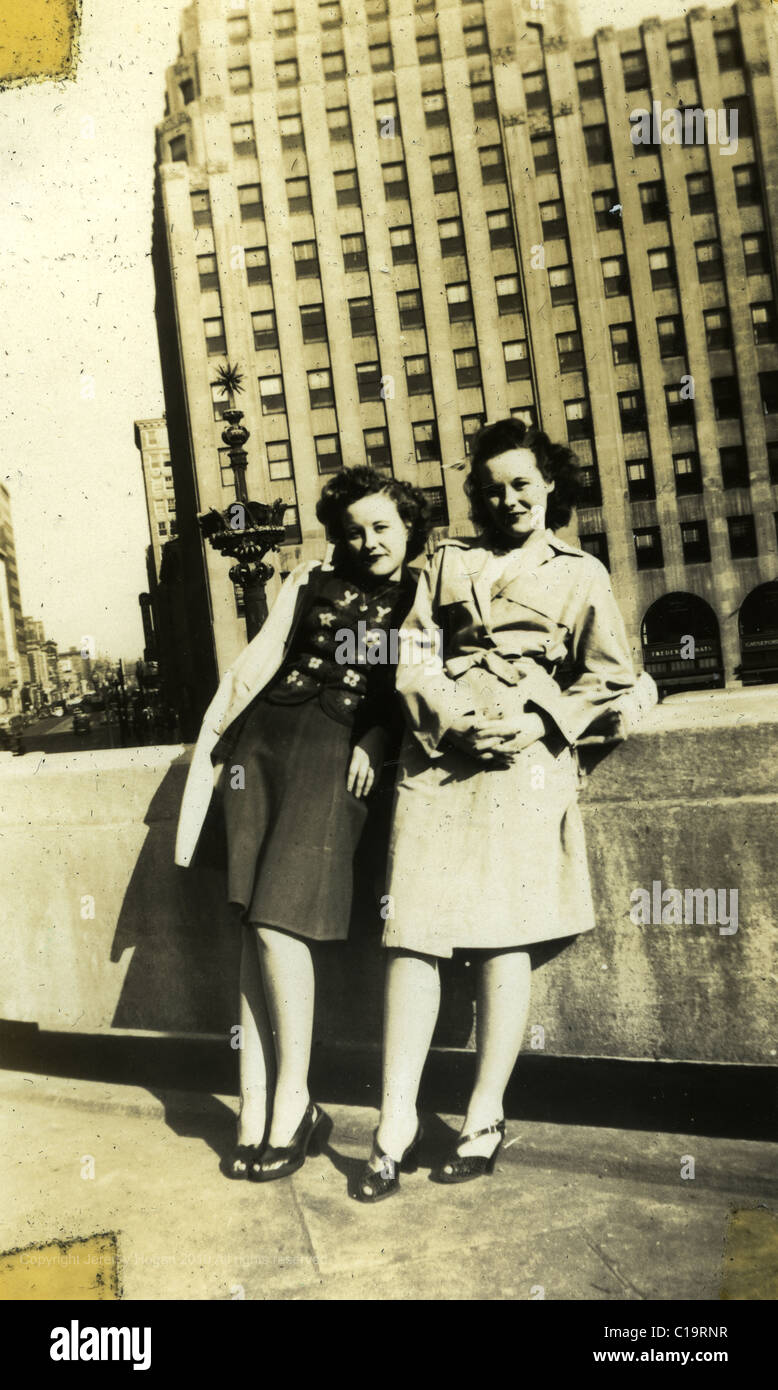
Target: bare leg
503	1005
411	1003
287	973
257	1055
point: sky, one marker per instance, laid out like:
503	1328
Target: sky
78	355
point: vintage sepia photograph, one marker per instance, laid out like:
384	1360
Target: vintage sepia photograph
388	661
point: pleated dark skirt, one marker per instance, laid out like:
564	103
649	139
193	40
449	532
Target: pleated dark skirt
293	829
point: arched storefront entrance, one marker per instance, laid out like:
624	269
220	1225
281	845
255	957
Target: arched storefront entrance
758	629
681	646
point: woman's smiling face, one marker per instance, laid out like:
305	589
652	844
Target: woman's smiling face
515	493
376	536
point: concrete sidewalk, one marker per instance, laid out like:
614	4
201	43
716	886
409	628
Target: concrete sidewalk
570	1213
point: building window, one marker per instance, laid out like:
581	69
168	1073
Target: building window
330	16
768	389
739	109
640	480
238	30
403	245
500	224
376	9
369	381
320	392
467	367
291	131
381	59
425	441
492	164
671	336
239	79
471	424
535	89
339	124
623	343
395	180
699	188
653	201
508	294
279	460
748	189
284	23
728	50
596	544
271	393
226	472
215	340
688	478
219	402
635	70
607	209
695	543
377	450
484	100
243	141
388	120
552	217
598	144
250	202
435	108
516	355
561	284
648	547
589	489
257	265
476	39
734	466
682	64
570	351
662	267
444	174
756	254
333	65
460	304
187	90
328	456
764	322
292	530
726	397
354	251
710	265
346	188
544	155
632	411
615	278
263	323
298	194
410	308
201	208
208	273
579	422
718	334
178	151
306	260
362	317
313	322
436	504
428	48
680	411
589	80
742	537
418	376
452	239
772	460
526	413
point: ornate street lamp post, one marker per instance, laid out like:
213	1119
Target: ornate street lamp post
245	531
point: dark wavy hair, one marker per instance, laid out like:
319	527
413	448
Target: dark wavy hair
352	484
556	462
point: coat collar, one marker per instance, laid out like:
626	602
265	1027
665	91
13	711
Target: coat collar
474	557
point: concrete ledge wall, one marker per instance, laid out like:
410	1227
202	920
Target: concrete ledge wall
689	807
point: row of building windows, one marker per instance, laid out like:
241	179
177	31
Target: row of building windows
695	542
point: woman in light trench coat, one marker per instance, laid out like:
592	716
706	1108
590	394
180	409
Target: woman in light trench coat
487	849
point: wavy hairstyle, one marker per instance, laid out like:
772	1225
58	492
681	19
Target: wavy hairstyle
556	462
352	484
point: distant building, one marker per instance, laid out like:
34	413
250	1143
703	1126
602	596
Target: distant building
152	442
401	219
12	637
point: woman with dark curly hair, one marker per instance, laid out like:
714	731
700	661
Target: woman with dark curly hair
302	723
487	851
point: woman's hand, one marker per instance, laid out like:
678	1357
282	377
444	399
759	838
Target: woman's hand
490	739
367	759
